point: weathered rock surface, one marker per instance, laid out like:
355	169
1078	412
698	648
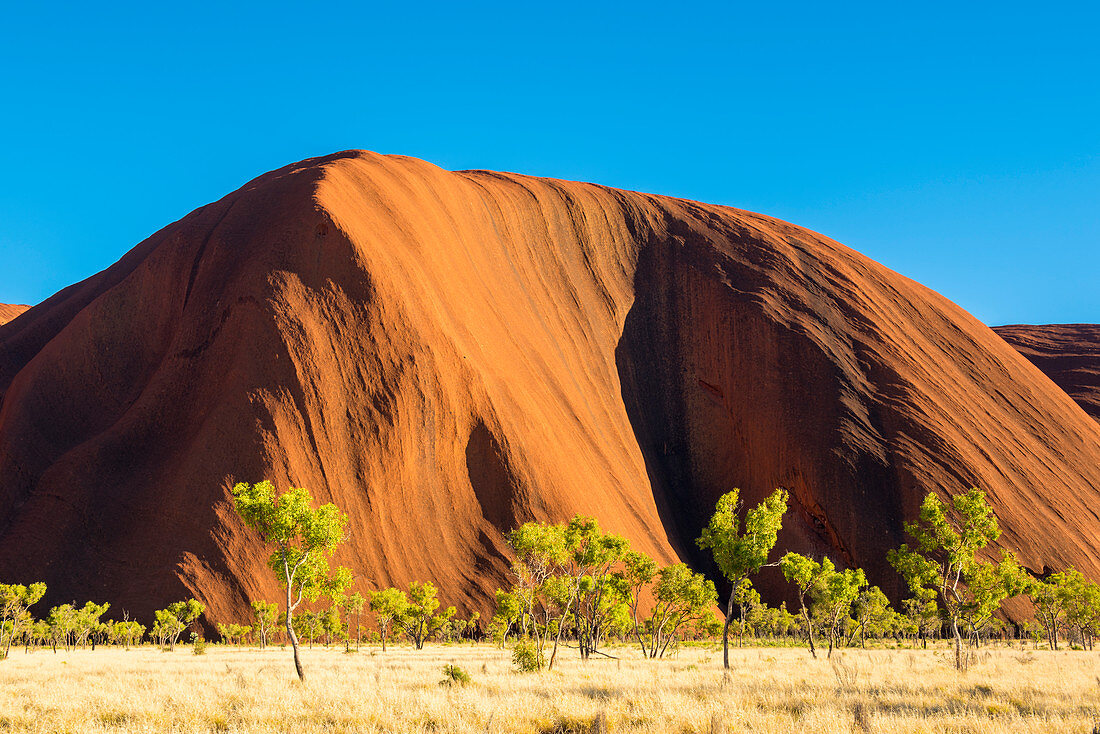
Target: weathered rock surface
1069	354
9	311
445	355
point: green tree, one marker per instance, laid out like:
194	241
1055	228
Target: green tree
945	559
990	584
1049	597
594	591
747	601
835	596
351	605
873	616
62	622
304	539
473	627
331	624
922	615
418	618
308	625
15	600
740	551
126	633
89	628
388	605
234	634
1081	601
264	615
681	598
808	576
508	611
541	554
174	619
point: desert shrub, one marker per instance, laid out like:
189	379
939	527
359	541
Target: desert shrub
454	676
525	656
198	645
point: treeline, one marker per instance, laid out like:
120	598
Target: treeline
70	627
575	586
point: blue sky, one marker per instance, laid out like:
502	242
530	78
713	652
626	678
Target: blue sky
960	147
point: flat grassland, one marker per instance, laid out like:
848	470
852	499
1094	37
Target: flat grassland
769	690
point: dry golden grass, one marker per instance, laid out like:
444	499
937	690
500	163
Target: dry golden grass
769	690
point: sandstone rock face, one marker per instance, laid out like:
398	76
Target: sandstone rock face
1069	354
445	355
9	311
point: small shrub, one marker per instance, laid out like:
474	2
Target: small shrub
525	656
198	645
454	676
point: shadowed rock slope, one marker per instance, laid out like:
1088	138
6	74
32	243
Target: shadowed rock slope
1069	354
10	311
445	355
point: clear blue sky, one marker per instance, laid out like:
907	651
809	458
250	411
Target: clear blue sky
957	143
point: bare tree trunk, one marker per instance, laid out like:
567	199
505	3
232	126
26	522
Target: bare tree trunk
561	628
809	627
958	644
291	636
726	632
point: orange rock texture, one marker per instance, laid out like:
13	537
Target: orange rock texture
1069	354
10	311
447	354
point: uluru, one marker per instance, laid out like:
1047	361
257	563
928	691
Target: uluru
445	355
1069	354
9	311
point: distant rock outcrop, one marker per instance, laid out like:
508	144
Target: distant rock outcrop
1069	354
9	311
445	355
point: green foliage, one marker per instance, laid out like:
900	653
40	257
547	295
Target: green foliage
681	598
508	612
304	539
126	633
741	550
387	605
1081	602
1066	600
990	584
944	562
568	576
808	576
593	592
264	616
349	605
172	621
526	656
418	617
922	615
454	676
834	597
873	615
15	600
234	634
198	644
308	626
541	557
